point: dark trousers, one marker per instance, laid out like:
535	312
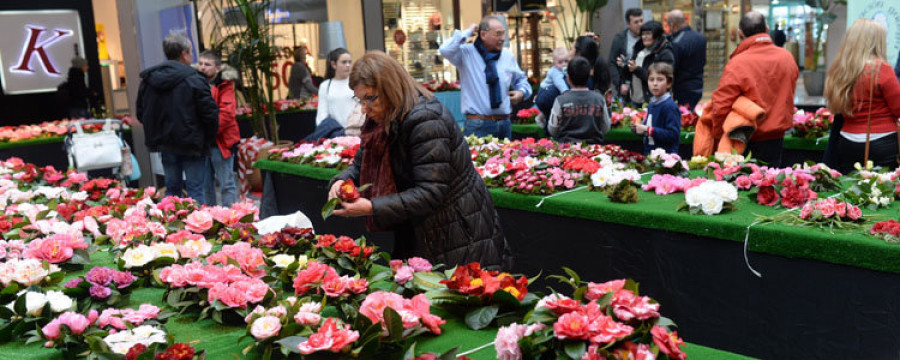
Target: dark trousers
767	151
882	152
544	99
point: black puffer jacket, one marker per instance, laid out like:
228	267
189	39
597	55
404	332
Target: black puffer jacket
177	110
662	51
442	210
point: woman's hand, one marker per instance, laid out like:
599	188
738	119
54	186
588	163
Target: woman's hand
359	207
335	189
631	65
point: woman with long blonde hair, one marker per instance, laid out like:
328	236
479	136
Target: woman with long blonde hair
862	88
424	186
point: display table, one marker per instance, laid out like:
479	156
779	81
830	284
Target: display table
222	341
45	151
821	295
796	150
293	125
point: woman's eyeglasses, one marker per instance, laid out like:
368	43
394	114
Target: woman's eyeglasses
368	100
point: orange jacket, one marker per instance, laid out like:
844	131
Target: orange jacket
766	75
739	124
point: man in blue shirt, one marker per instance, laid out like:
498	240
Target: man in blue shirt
490	79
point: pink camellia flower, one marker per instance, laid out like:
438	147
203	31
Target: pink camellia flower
315	274
100	275
181	236
669	343
265	327
307	318
357	286
51	330
421	307
76	322
840	209
853	212
806	211
335	287
608	330
743	182
332	336
54	249
375	303
419	264
596	291
198	222
632	351
826	208
395	264
562	306
627	306
507	342
403	275
572	326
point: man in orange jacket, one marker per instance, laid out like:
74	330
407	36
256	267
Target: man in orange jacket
765	74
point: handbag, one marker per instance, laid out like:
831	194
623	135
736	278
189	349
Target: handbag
99	150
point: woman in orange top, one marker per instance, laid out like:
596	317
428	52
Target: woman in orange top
870	110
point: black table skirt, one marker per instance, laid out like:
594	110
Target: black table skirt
799	309
291	126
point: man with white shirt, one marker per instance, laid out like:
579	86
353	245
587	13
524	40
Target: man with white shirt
490	79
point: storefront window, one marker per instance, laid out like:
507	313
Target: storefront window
414	31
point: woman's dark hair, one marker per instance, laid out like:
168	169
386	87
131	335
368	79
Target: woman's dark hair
586	47
655	28
333	56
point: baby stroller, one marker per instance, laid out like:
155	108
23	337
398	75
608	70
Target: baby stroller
103	153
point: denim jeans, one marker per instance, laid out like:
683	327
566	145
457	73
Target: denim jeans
882	152
195	169
481	128
223	173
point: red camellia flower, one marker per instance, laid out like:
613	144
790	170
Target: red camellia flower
135	351
668	343
181	351
325	240
348	191
767	196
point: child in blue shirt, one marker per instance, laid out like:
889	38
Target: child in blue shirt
554	84
662	127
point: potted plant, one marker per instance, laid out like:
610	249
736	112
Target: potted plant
813	77
582	17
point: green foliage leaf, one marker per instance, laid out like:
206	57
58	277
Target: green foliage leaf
329	207
575	349
394	324
481	317
291	342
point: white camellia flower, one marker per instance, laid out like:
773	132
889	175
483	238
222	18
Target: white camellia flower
884	201
600	179
139	256
283	260
59	302
302	260
79	196
34	303
123	340
165	250
726	191
711	204
694	196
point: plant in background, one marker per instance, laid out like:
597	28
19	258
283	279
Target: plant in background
101	287
582	17
620	186
827	213
888	230
812	126
250	48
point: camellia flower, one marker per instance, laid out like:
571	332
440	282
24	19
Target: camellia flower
138	256
669	343
332	336
265	327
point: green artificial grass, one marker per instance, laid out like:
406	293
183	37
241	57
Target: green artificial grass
851	247
622	134
221	341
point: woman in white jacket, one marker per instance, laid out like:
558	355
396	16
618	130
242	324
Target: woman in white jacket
335	96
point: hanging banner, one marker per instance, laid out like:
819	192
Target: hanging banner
886	12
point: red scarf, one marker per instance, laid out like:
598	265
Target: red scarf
376	165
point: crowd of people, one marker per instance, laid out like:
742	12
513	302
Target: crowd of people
424	187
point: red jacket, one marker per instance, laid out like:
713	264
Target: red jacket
766	75
885	102
229	133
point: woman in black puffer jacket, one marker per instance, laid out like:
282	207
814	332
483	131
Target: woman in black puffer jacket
652	48
424	186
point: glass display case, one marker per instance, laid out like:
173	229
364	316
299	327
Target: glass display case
414	31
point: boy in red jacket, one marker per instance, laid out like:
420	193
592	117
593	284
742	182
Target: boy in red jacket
221	81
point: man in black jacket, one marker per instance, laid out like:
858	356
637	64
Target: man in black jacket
623	47
180	118
690	58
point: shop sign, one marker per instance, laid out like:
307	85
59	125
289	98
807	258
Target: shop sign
885	12
37	48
